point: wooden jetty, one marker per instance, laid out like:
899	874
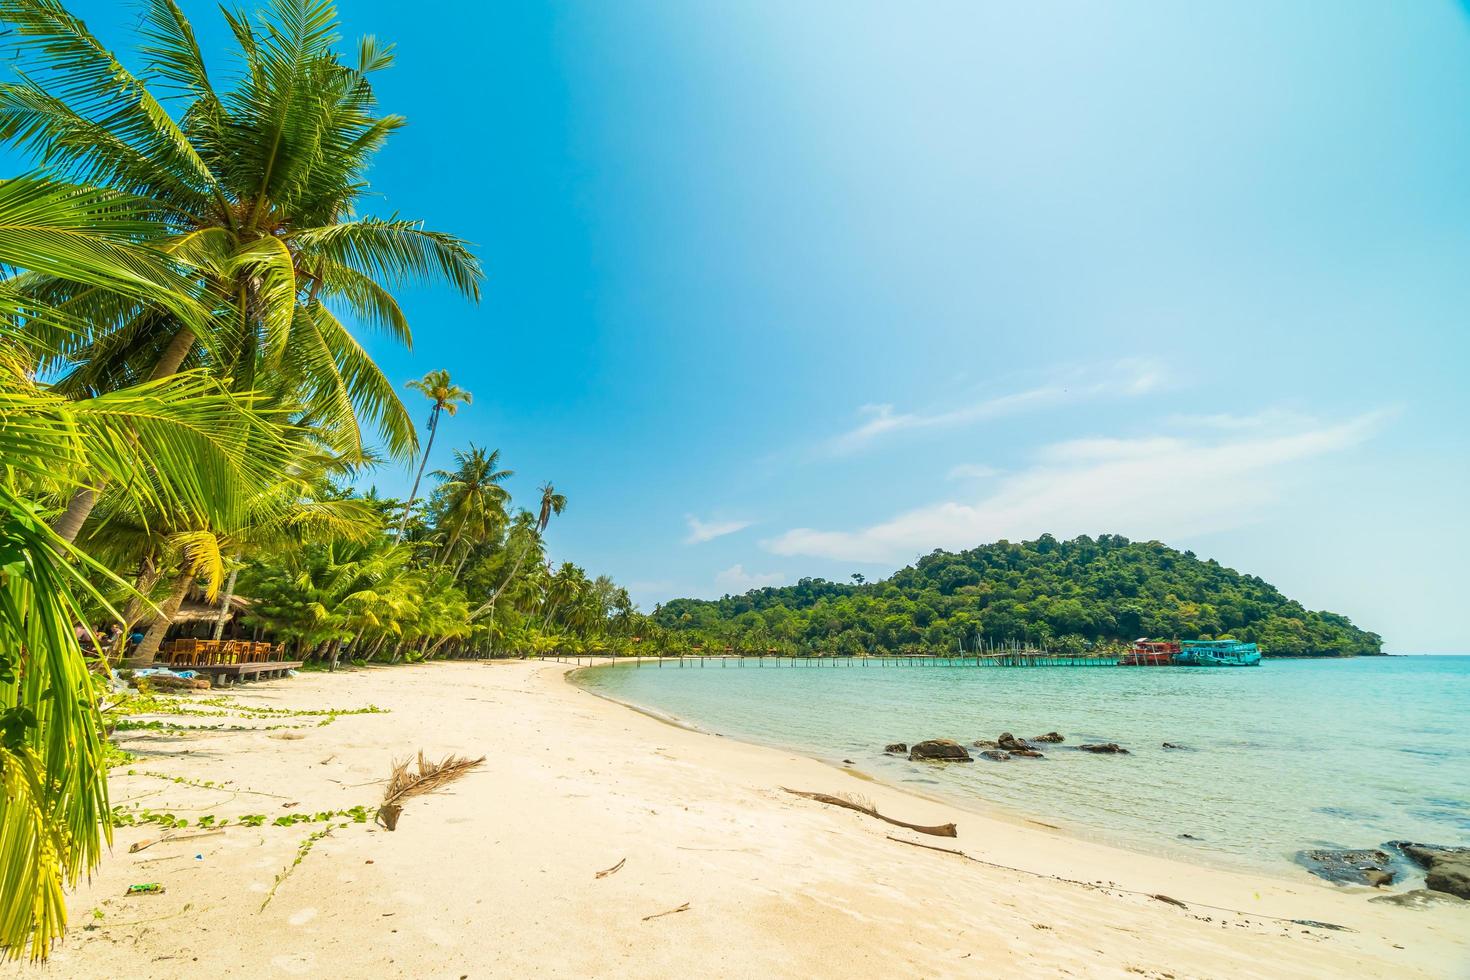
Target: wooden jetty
223	675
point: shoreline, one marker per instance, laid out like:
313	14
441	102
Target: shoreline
496	874
1280	871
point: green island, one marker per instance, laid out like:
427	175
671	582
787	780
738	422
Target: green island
1068	595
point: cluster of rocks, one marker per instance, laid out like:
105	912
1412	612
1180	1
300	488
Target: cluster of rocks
1446	869
1009	745
1002	749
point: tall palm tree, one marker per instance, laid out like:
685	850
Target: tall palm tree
551	503
447	397
251	194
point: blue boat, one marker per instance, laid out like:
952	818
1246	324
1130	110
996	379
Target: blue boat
1217	653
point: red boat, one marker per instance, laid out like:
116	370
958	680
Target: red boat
1150	653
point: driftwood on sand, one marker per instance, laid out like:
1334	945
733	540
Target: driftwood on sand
404	785
659	915
613	870
867	808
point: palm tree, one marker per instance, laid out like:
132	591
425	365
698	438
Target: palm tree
472	500
447	397
54	814
248	194
551	503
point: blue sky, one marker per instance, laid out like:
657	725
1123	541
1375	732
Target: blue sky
782	289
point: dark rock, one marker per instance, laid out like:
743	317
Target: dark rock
995	755
939	750
1174	745
1446	869
1027	753
1426	855
1188	837
1112	748
1451	876
1420	898
1052	737
1349	867
897	748
985	743
1011	743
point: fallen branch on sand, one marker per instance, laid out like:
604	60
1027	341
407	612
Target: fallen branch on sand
613	870
656	915
867	808
404	785
145	844
1098	886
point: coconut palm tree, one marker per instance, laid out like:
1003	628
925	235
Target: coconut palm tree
251	195
447	397
551	503
472	500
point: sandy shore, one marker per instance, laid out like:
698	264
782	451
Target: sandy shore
496	876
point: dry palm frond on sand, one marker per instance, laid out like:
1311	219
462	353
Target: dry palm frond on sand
403	785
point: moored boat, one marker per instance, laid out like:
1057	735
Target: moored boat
1150	653
1217	653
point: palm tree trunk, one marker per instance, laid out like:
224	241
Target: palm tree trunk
377	645
79	508
413	494
224	604
148	649
143	583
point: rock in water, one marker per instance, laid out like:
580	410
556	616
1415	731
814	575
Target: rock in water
984	743
897	748
939	750
1174	745
1349	867
1112	748
1446	869
995	755
1052	737
1011	743
1027	753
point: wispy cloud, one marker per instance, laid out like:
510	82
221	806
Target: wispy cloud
735	579
1120	379
971	471
701	531
1165	487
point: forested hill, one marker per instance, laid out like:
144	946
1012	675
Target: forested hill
1072	594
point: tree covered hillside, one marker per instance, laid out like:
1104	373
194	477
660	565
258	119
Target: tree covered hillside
1069	594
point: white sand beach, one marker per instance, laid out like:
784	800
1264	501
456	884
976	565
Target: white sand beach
496	875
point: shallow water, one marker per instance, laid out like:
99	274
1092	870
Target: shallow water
1293	754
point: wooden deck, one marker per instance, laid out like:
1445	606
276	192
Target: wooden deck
223	675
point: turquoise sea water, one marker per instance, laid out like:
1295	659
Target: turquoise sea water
1293	754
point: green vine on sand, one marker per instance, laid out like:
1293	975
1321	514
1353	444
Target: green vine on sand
301	853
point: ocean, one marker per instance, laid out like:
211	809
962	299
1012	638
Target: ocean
1292	754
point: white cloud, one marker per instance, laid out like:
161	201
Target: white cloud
1153	487
971	471
735	579
1124	378
702	531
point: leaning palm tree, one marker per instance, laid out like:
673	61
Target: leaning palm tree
252	192
447	397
